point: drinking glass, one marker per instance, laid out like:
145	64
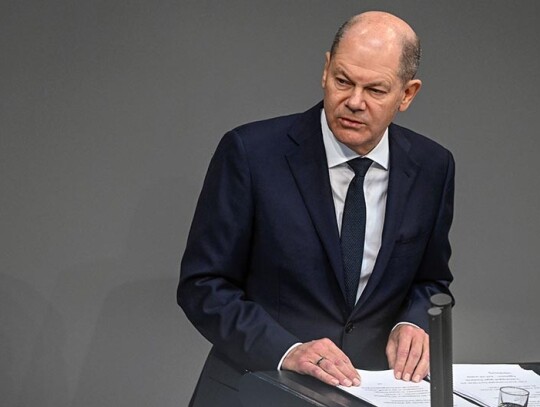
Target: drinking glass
513	397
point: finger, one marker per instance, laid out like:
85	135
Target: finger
337	364
341	371
391	353
333	353
415	353
347	368
422	368
316	371
401	354
330	368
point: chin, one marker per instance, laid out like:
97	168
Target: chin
358	143
351	138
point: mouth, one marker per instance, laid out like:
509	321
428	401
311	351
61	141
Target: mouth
351	123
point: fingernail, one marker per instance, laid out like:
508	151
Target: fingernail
416	378
347	382
398	375
407	377
356	382
334	382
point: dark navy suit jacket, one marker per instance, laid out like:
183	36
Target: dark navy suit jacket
262	268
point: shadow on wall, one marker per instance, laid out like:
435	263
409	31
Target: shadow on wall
137	357
109	332
32	339
143	351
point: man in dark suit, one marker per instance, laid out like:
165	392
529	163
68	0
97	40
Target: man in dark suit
297	259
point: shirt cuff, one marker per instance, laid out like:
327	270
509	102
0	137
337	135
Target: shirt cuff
286	353
405	323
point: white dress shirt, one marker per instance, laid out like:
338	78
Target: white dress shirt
375	189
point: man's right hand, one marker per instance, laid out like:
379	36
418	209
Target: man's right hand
324	360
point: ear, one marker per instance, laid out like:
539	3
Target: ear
411	89
325	71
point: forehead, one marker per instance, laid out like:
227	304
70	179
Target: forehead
377	45
367	58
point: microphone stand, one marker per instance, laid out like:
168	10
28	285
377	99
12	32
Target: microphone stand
440	351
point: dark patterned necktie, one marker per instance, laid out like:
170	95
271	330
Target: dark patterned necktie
353	228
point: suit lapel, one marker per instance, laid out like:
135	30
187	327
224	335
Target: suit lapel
308	164
403	171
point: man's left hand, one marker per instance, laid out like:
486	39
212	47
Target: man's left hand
408	352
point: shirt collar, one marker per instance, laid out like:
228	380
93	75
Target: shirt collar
338	153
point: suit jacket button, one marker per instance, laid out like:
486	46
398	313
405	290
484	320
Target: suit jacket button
349	328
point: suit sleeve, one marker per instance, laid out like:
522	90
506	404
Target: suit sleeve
434	274
216	265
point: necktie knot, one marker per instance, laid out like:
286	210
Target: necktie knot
360	165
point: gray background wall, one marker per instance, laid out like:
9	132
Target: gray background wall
110	111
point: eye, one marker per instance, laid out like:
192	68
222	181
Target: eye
342	81
377	91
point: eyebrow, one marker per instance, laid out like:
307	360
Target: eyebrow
340	71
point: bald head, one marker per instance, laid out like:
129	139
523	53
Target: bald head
384	30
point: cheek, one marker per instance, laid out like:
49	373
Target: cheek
336	102
386	108
331	104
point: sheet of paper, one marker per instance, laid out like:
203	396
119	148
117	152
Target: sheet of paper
382	389
482	382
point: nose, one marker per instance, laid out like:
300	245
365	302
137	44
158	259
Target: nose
356	101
